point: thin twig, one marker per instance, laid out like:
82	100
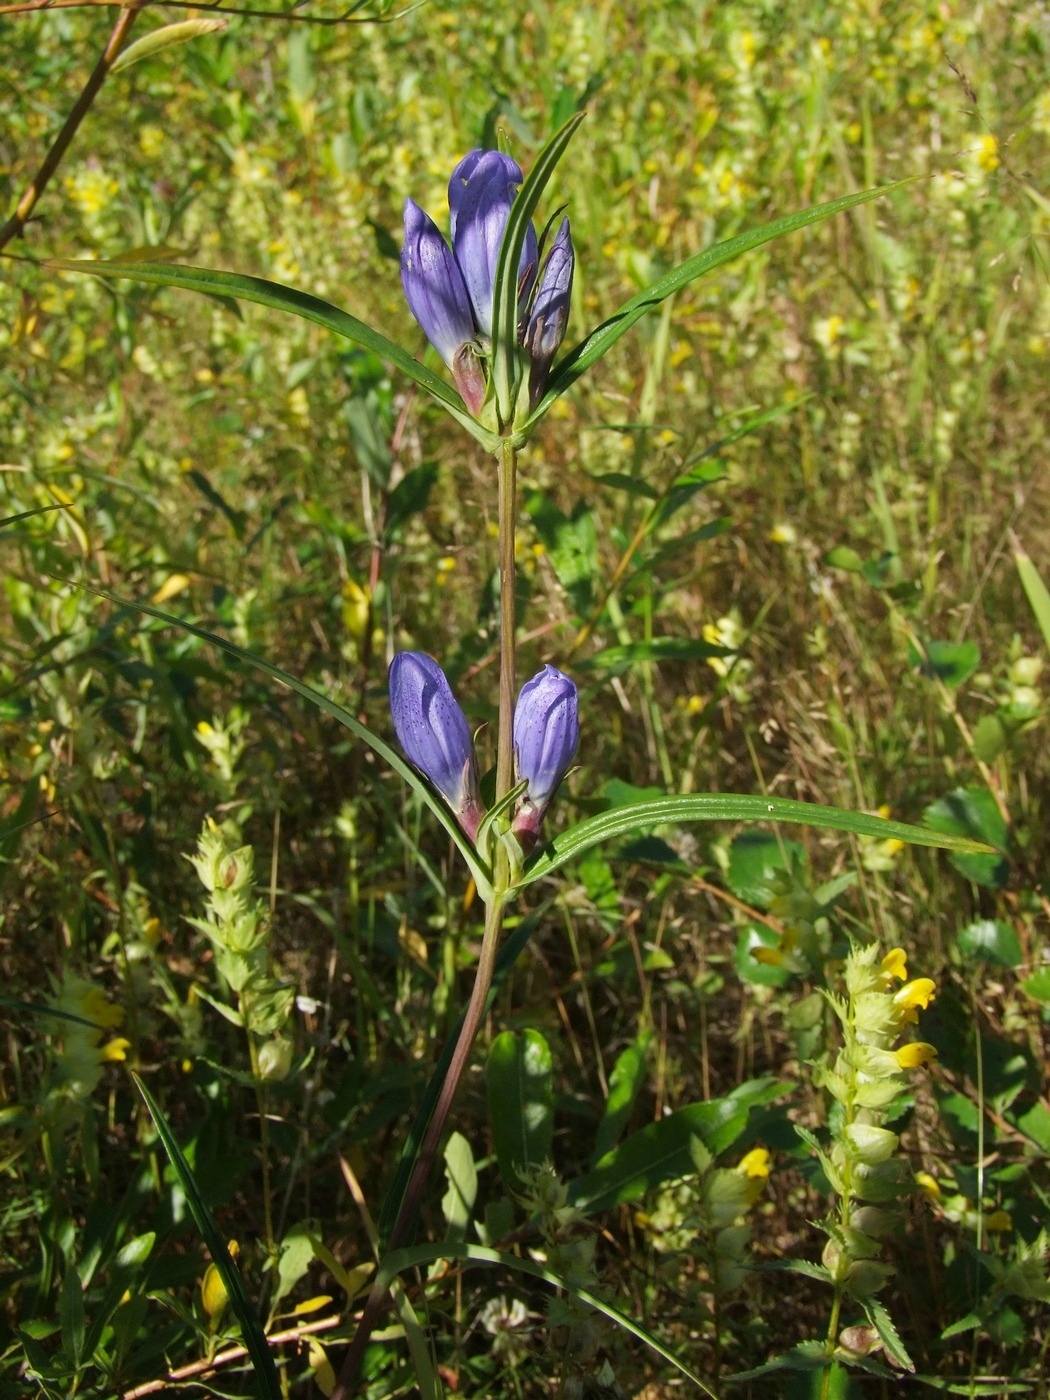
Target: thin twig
210	6
18	220
207	1366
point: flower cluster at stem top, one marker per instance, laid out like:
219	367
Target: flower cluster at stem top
450	290
433	731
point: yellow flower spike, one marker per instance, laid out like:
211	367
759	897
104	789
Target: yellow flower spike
999	1221
757	1162
115	1050
928	1185
915	1054
917	993
895	965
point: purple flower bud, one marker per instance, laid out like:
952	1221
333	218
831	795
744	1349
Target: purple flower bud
550	310
433	732
434	287
480	194
546	732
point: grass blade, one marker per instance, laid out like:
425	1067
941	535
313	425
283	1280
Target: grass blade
505	293
415	1255
604	337
251	1327
721	807
277	296
315	697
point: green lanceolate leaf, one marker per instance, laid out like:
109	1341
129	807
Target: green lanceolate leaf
505	360
165	38
601	340
722	807
251	1328
418	1255
521	1102
290	300
478	870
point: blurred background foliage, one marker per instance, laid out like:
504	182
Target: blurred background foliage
851	558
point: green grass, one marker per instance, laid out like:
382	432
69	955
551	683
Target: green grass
241	463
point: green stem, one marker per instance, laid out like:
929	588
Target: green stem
506	473
377	1299
24	209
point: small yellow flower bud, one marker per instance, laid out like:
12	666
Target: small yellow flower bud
115	1050
757	1162
999	1221
770	957
928	1185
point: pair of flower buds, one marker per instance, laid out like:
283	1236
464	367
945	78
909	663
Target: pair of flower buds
433	732
450	291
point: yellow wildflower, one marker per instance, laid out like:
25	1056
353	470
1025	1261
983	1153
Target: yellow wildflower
915	1054
115	1049
895	965
917	993
999	1221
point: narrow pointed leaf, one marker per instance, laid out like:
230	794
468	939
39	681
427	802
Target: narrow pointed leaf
1035	589
604	337
276	295
521	1102
251	1328
728	807
417	1255
505	299
379	746
165	38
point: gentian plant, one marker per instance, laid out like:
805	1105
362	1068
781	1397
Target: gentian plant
494	303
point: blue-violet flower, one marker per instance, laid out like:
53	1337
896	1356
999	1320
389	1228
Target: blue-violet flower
450	292
546	733
434	734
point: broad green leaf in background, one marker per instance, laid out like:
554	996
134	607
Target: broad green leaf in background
625	1082
756	859
991	941
950	662
601	340
710	807
660	1151
457	1205
518	1076
290	300
251	1330
973	812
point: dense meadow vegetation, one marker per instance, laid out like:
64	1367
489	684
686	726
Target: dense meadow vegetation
756	1109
